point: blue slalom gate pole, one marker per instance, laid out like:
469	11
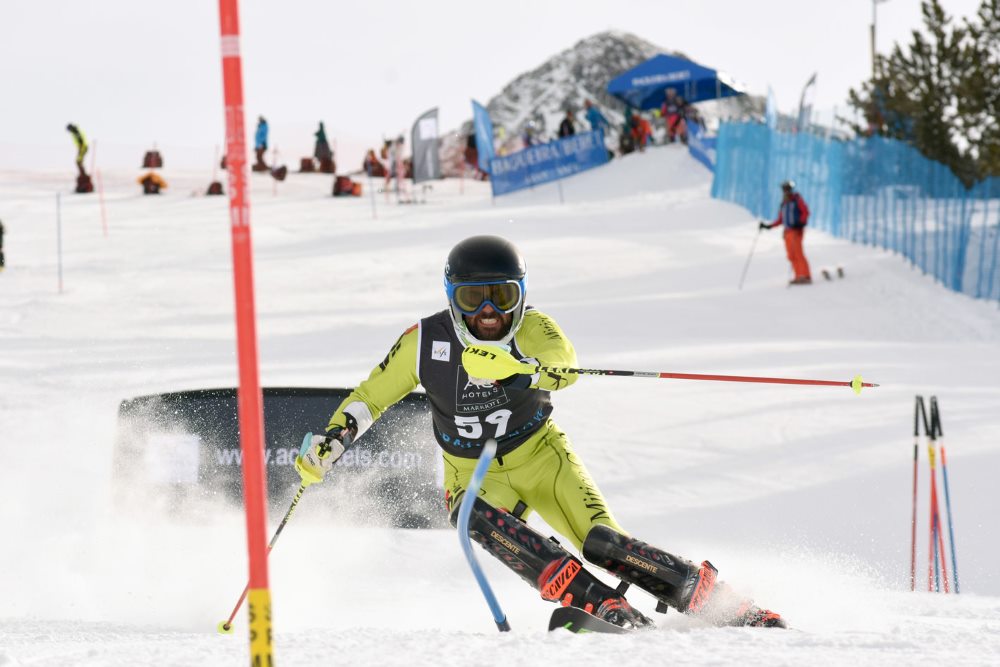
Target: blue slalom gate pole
464	513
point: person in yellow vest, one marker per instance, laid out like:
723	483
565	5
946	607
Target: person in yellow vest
81	146
536	468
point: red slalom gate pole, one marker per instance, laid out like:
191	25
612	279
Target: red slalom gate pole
931	550
100	196
250	400
936	519
934	565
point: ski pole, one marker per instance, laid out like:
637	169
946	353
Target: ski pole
936	425
226	627
494	364
747	265
464	514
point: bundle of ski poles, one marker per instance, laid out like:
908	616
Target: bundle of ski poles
937	567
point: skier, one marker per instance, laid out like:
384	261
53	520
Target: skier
81	146
536	468
1	246
260	144
793	214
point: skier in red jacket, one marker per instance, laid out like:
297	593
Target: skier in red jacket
793	214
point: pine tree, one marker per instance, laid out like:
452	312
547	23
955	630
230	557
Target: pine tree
979	91
941	93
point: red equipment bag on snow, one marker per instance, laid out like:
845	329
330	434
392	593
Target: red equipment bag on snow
152	160
342	185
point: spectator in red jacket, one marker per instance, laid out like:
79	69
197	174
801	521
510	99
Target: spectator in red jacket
793	214
673	111
641	131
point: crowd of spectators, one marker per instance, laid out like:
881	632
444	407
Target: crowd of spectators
667	124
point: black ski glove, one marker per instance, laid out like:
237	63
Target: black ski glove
764	225
516	381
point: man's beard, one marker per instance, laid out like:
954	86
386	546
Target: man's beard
489	335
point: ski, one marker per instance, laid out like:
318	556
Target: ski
578	621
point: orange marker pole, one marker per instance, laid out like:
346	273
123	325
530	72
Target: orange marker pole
250	399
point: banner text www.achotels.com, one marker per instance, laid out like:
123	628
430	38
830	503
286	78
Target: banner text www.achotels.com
281	456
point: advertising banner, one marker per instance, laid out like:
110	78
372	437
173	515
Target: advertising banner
701	146
547	162
424	137
181	451
484	135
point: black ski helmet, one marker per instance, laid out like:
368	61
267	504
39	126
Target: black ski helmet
484	259
788	185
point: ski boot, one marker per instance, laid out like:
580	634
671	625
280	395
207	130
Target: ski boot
675	582
567	582
719	604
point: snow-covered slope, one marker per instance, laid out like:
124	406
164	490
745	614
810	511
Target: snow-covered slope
799	495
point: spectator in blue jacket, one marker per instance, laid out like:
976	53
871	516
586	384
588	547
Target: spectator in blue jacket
596	118
260	143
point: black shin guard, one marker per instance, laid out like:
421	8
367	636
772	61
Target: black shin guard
510	540
540	561
670	579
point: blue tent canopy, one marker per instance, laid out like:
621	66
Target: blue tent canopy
643	86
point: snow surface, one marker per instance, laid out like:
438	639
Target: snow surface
799	495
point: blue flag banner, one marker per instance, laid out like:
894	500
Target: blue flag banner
701	146
771	110
547	162
484	135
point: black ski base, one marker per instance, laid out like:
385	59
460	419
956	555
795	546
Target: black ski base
578	621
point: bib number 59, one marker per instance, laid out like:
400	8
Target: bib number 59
472	428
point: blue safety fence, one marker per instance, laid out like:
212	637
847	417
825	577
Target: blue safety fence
875	191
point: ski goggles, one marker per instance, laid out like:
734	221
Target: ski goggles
470	298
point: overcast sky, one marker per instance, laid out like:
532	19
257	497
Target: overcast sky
132	73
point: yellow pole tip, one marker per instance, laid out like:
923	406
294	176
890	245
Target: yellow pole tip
856	384
224	628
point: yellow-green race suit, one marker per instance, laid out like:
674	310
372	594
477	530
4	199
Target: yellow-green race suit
536	468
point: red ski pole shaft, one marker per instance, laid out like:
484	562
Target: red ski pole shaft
855	384
482	362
